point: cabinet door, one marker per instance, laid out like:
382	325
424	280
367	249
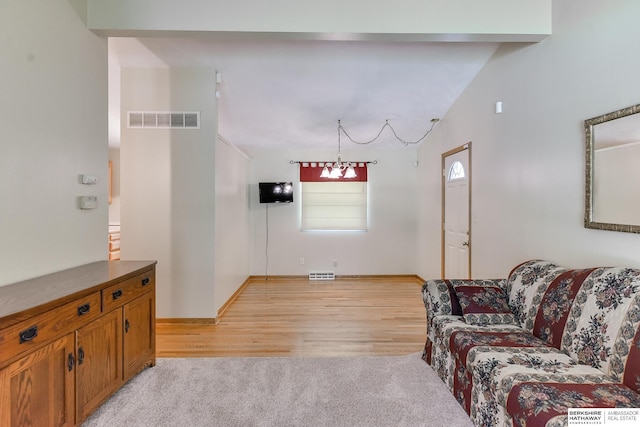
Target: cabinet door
139	336
99	359
38	389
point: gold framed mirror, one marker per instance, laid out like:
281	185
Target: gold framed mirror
612	190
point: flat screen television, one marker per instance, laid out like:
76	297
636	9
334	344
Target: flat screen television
276	192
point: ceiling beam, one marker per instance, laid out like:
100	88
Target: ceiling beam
369	20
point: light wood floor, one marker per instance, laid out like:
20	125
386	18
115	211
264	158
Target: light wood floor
345	317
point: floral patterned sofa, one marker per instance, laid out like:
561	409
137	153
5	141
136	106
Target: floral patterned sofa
521	351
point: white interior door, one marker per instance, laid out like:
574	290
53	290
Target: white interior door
456	207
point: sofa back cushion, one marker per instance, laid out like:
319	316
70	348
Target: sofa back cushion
556	303
526	285
602	327
484	305
440	297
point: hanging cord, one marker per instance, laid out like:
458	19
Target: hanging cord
386	124
340	127
266	245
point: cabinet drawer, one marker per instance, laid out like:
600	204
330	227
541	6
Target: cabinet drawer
31	333
123	292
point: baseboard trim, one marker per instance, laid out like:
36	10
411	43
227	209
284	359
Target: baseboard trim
188	320
233	297
266	278
389	277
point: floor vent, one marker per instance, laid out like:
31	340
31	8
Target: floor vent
329	275
164	119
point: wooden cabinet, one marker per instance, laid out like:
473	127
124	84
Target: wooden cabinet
70	339
139	334
99	361
30	333
38	389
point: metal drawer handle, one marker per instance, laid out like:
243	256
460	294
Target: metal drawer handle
70	362
84	309
29	334
117	294
80	355
145	281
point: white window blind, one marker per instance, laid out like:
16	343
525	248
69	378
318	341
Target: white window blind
334	206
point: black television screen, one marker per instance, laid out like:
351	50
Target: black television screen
276	192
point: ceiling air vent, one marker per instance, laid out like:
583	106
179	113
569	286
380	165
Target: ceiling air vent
164	119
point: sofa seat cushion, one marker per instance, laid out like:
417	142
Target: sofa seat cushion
484	305
533	404
440	333
444	327
461	342
496	370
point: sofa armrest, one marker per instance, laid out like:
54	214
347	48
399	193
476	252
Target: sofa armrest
437	297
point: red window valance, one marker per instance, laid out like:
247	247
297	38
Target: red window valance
310	172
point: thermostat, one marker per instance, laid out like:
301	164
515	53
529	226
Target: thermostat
89	179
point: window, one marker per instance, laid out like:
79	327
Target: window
333	204
456	171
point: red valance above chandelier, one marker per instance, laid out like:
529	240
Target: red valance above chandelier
333	171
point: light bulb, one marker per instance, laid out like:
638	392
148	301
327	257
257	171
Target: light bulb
335	172
350	172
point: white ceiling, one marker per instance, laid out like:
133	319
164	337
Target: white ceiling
282	93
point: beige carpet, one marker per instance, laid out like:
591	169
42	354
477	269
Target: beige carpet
278	391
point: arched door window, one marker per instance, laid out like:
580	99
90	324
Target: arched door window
456	171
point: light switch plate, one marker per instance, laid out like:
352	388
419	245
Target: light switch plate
88	202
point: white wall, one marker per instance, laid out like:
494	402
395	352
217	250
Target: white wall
232	226
387	248
528	162
53	82
168	187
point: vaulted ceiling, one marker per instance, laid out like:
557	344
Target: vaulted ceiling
285	93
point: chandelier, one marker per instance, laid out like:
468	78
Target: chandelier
335	170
